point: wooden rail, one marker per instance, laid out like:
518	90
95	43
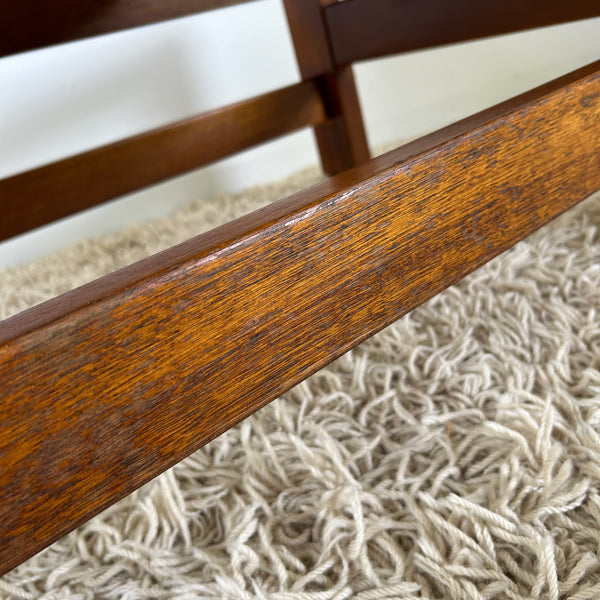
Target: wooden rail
30	24
108	385
361	29
79	182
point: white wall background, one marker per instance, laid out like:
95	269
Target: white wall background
63	100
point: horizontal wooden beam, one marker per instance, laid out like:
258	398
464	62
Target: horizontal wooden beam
48	193
362	29
108	385
31	24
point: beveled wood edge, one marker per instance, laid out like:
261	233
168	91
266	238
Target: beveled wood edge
31	25
56	190
43	314
310	223
367	29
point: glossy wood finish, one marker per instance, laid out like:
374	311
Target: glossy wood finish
73	184
106	386
361	29
342	140
30	24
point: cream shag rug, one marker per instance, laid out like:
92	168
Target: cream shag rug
454	455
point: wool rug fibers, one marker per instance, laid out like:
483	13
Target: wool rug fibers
456	454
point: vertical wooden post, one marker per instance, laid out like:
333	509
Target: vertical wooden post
342	139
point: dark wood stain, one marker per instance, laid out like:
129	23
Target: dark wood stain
342	139
31	24
88	179
107	386
362	29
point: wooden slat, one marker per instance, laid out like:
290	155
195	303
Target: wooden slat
361	29
37	197
342	140
108	385
30	24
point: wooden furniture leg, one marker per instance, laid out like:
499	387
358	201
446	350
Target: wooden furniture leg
342	139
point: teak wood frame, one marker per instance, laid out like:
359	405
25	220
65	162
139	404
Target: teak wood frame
108	385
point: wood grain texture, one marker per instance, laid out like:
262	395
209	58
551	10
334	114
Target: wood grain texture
31	24
108	385
51	192
342	140
362	29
